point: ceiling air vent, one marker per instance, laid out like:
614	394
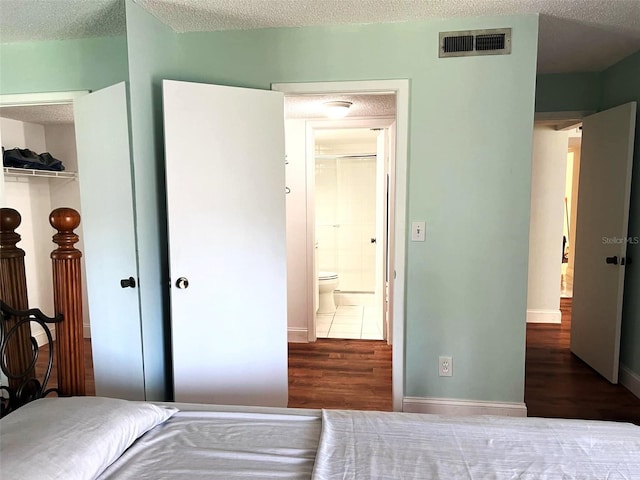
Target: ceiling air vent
476	42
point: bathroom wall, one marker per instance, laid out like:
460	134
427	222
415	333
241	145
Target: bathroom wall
346	220
346	206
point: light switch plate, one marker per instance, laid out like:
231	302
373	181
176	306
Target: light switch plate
418	231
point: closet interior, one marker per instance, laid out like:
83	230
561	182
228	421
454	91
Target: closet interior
35	193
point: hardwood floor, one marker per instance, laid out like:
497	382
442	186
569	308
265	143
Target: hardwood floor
344	374
41	366
559	384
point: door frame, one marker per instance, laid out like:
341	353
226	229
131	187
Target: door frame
397	222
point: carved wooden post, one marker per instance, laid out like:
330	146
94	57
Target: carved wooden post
67	299
13	292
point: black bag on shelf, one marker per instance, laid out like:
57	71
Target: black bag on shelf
25	158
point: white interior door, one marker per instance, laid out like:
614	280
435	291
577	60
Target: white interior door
104	164
601	235
225	162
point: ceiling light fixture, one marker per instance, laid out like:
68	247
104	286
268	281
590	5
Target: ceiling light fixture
337	109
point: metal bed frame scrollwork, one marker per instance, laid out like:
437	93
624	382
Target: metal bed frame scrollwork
23	385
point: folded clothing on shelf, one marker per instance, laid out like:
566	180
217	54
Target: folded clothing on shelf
25	158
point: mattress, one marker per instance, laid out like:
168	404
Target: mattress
92	437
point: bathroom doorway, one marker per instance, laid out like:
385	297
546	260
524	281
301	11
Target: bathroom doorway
351	199
340	181
304	111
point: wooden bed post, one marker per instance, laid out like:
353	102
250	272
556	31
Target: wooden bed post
67	299
13	292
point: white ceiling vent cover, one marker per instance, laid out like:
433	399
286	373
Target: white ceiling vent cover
469	43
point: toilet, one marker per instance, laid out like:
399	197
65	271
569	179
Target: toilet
327	283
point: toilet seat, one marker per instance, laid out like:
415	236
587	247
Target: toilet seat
327	275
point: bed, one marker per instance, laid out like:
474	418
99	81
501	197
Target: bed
93	437
44	436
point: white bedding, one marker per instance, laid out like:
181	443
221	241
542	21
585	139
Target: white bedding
223	445
80	437
374	445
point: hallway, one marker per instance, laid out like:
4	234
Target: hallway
559	384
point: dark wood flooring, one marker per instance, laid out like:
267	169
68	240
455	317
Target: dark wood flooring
559	384
345	374
41	365
356	374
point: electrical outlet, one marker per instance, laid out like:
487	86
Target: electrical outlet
445	366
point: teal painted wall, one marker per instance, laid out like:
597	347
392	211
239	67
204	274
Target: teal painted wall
151	52
466	285
568	92
471	123
621	84
87	64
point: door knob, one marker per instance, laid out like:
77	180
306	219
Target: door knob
182	283
128	282
373	240
612	260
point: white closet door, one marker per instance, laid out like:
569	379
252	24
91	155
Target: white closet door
602	218
104	164
226	215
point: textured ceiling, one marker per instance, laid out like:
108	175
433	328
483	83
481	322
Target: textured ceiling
311	106
43	114
34	20
575	35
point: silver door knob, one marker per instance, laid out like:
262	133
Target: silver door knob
182	283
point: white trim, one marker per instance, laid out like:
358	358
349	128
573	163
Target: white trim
630	380
448	406
397	273
544	316
41	336
47	98
297	335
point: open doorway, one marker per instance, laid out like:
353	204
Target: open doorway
596	224
339	179
302	271
35	193
351	200
554	198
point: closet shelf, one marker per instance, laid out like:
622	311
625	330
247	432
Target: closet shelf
25	172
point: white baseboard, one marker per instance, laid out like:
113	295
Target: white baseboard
297	335
447	406
630	380
41	337
544	316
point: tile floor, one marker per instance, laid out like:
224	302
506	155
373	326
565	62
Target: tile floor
350	321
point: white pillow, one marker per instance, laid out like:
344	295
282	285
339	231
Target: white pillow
72	438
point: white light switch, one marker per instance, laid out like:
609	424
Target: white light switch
417	231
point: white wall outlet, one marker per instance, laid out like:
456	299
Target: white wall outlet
418	231
445	366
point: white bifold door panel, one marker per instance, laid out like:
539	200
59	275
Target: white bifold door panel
227	246
601	237
104	164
